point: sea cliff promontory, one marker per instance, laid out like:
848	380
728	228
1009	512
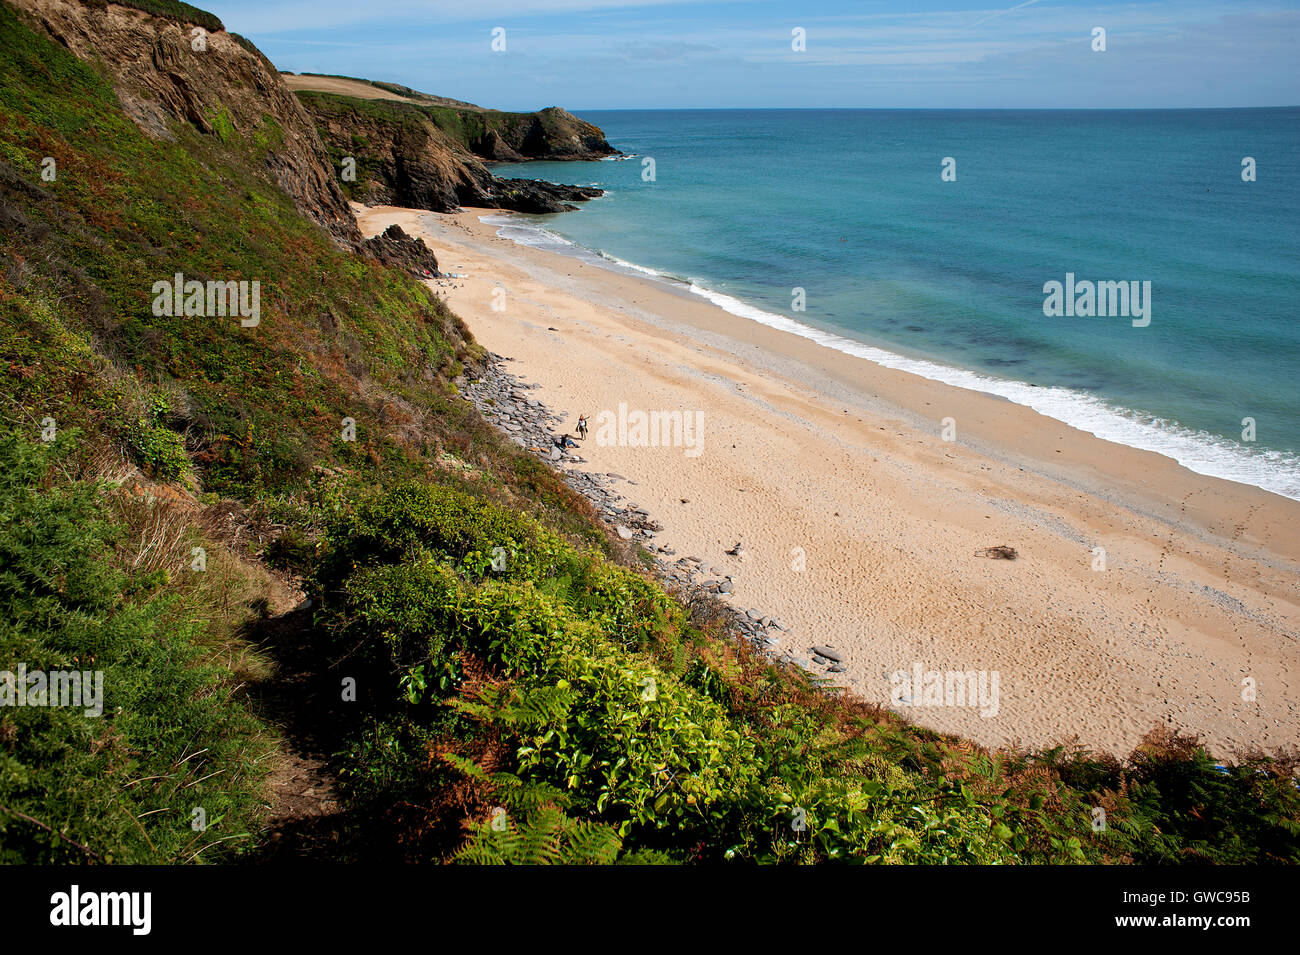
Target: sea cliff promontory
411	149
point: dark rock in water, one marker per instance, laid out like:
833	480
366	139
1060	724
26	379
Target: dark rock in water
395	248
828	653
534	195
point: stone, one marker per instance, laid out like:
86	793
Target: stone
828	653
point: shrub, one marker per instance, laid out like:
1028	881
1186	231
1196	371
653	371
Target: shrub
121	786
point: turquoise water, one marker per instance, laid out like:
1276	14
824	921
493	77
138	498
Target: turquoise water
946	278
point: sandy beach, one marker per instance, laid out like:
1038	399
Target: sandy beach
863	527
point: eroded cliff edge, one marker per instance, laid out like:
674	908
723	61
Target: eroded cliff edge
426	152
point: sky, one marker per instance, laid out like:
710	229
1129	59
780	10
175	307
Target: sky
661	54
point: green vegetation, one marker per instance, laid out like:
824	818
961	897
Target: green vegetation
524	693
79	592
178	11
554	689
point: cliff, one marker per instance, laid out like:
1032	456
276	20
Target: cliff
494	135
169	62
414	150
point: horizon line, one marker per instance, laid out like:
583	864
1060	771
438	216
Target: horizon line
1080	109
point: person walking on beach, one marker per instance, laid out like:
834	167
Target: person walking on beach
582	427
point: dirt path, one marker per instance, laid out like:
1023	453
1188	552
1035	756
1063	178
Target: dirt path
306	820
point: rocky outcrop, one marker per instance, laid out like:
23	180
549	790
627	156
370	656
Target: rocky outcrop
393	247
169	70
551	133
403	156
534	195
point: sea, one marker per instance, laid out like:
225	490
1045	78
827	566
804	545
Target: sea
928	240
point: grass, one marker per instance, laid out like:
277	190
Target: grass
178	11
171	769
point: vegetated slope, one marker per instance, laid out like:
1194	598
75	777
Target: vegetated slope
426	156
226	88
509	685
211	435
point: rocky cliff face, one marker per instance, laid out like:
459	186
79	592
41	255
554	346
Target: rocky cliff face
166	70
426	156
552	133
491	134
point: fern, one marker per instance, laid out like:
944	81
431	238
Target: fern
546	837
